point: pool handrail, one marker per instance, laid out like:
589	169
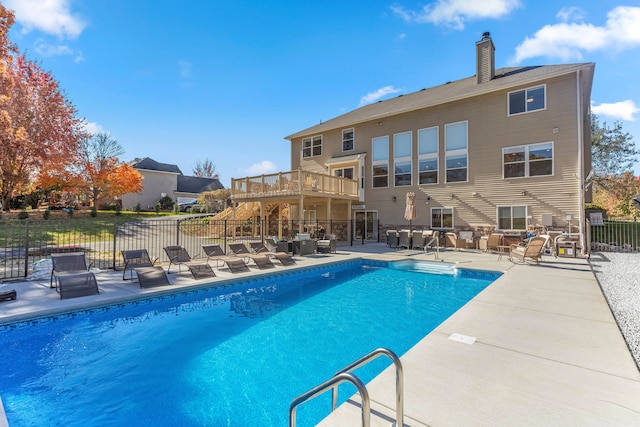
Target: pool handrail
332	384
399	379
345	374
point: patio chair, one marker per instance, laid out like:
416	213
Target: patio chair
494	240
532	250
418	239
179	256
453	241
275	245
392	238
65	263
431	240
215	252
135	258
404	239
149	277
240	250
327	245
260	249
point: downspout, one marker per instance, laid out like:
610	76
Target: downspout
580	164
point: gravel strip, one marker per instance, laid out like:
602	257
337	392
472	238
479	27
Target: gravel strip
619	277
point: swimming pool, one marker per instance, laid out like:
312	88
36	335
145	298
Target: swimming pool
234	356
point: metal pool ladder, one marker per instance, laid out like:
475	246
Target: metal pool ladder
345	375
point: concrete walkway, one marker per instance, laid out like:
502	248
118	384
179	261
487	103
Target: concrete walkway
545	349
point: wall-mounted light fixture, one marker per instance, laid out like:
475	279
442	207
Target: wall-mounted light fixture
453	196
556	130
379	123
427	202
474	193
393	198
523	193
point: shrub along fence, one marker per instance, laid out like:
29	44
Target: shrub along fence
25	243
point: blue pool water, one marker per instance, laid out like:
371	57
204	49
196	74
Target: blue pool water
226	356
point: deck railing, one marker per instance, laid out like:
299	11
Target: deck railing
292	183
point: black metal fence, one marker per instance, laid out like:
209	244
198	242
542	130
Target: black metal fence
24	243
615	235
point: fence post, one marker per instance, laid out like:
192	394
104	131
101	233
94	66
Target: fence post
225	236
26	248
178	232
115	244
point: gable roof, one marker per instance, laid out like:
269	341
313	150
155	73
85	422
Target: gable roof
194	184
148	163
505	78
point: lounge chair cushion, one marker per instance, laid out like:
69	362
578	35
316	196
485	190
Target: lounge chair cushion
149	277
77	284
200	270
8	295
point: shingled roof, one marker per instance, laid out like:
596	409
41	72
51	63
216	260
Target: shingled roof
148	163
505	78
193	184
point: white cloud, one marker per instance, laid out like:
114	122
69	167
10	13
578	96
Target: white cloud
454	13
572	13
623	110
93	128
45	49
569	40
185	68
374	96
263	167
48	16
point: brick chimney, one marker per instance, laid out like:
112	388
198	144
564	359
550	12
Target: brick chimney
485	58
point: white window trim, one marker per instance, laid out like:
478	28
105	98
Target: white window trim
526	214
375	163
526	161
311	139
353	139
456	152
544	86
403	159
430	156
453	217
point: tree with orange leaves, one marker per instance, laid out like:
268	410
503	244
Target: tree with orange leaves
100	173
39	130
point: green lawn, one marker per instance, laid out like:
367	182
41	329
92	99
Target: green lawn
62	229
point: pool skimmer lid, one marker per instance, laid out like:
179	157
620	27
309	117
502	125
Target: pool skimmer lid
465	339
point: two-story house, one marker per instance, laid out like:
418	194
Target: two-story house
162	179
500	150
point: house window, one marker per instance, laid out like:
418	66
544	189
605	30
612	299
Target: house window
512	217
527	160
441	217
312	146
428	156
402	159
343	173
347	140
524	101
380	161
456	155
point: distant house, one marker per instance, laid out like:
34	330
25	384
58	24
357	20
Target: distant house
163	179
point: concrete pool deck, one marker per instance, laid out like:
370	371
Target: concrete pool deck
547	349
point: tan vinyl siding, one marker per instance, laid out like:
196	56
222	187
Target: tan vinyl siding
490	129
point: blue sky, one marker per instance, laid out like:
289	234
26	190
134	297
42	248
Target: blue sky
183	81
